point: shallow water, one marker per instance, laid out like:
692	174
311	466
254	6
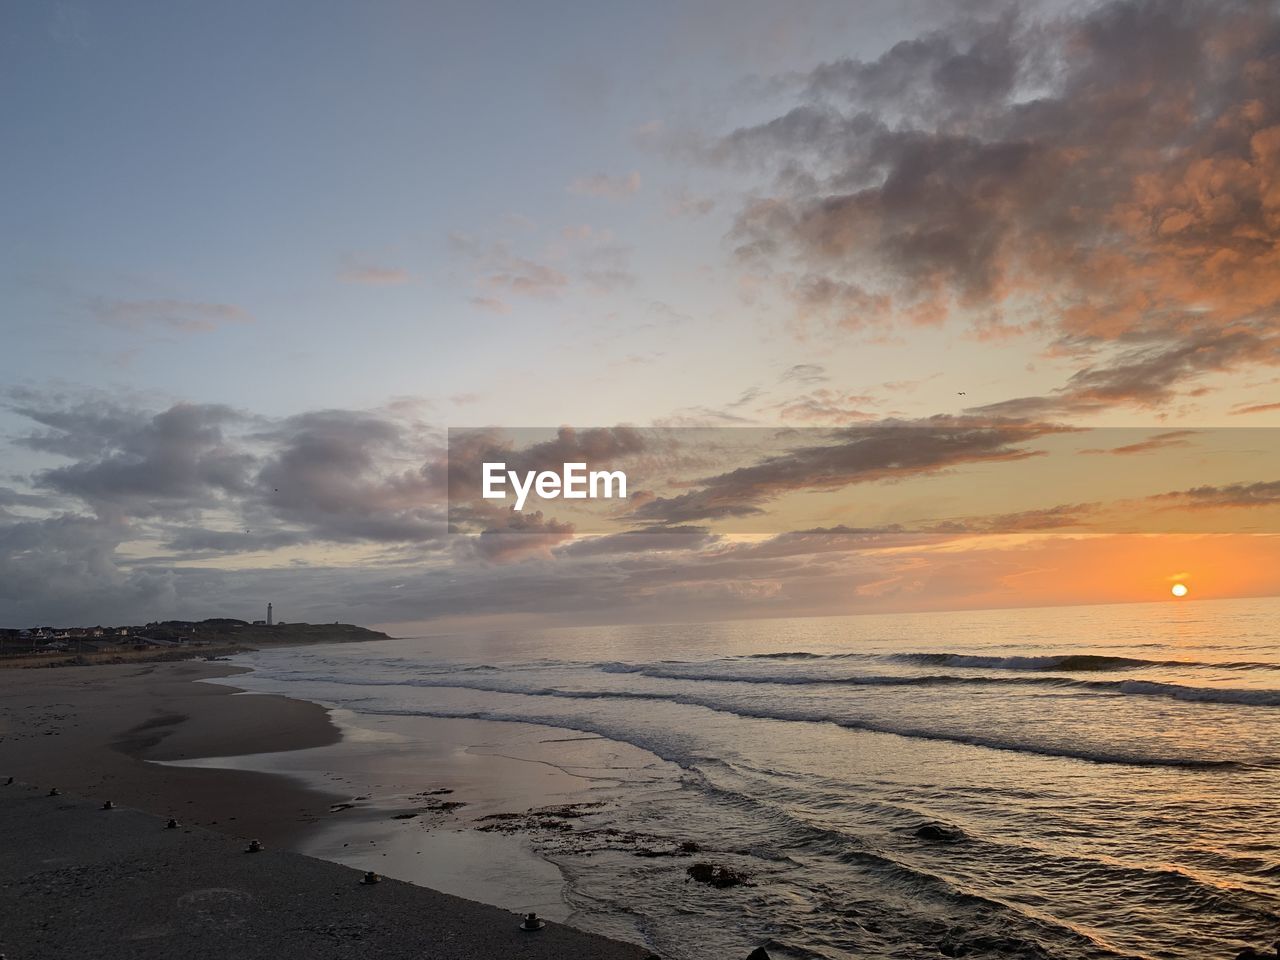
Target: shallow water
1102	780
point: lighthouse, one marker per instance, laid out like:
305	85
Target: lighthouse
269	620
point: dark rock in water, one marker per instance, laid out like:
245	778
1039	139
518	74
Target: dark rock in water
688	846
938	833
759	953
949	948
716	875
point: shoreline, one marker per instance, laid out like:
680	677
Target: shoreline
80	881
153	738
93	732
465	805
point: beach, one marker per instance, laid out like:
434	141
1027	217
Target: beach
1085	786
77	877
1089	783
81	881
94	731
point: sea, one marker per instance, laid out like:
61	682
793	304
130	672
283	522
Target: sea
1074	782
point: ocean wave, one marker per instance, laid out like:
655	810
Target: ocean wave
1251	698
1082	662
1091	754
856	680
1146	688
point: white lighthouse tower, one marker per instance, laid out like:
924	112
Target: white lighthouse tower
269	620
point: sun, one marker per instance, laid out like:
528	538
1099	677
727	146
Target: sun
1178	589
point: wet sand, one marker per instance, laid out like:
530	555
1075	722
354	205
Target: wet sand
79	881
446	802
91	731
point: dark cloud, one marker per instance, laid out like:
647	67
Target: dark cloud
1146	377
1247	495
204	542
658	539
1160	441
336	476
1063	516
16	498
1107	176
352	476
65	570
889	450
140	464
516	535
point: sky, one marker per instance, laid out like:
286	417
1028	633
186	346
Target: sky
258	259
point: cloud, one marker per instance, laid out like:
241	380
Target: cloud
682	203
1063	516
65	570
806	373
605	185
332	476
888	450
1256	408
828	406
204	542
1244	495
492	304
520	535
1161	441
661	539
350	476
376	479
1106	176
182	316
607	267
135	464
373	274
524	277
1147	377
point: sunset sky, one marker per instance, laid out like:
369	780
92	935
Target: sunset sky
259	257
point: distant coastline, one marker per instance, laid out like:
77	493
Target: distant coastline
164	641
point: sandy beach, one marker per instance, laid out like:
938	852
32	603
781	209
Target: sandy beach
95	734
80	881
92	730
